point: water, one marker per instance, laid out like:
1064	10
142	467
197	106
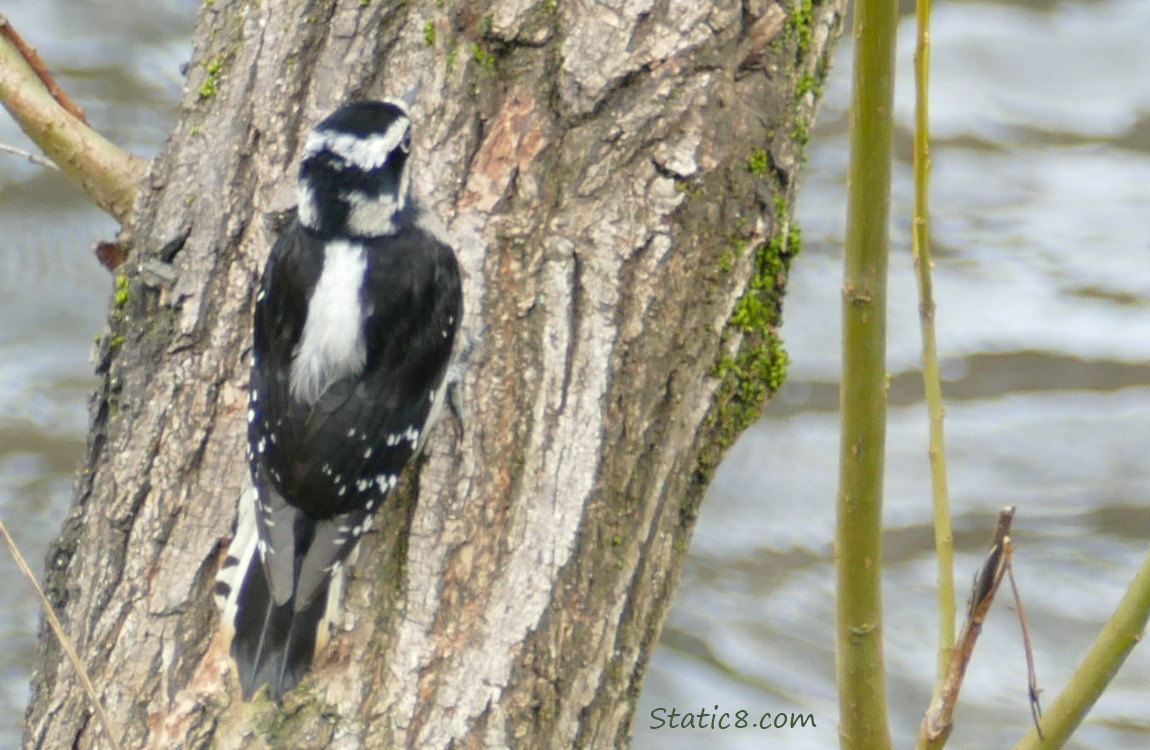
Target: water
1041	188
1041	199
123	69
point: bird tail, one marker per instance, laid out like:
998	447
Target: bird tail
271	644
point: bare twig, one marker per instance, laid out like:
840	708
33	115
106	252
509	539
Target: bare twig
110	175
36	63
1125	629
1031	672
938	722
34	158
65	641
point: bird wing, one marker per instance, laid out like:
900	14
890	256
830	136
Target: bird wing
340	457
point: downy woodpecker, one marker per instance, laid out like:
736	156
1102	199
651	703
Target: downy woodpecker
354	326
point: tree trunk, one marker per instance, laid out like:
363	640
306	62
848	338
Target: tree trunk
617	178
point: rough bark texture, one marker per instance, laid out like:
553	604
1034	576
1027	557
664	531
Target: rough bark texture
617	175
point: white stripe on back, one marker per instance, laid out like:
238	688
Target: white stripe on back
332	345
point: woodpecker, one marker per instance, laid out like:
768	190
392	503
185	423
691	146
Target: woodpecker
354	327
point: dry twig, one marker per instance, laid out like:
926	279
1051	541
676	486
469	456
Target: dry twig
110	175
32	57
65	641
1031	672
34	158
938	722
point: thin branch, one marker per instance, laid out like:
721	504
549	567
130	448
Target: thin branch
931	378
32	57
1031	672
34	158
65	641
938	722
1123	631
110	175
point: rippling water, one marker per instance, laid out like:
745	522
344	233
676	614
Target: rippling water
1041	192
1041	209
123	69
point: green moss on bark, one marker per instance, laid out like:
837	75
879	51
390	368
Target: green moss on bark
758	367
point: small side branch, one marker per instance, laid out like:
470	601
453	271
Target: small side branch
1031	672
110	175
62	637
1125	629
32	57
36	159
938	722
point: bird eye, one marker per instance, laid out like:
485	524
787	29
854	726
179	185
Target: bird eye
405	144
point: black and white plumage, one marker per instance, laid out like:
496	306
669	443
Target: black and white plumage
354	326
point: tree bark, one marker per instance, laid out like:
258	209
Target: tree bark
617	177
